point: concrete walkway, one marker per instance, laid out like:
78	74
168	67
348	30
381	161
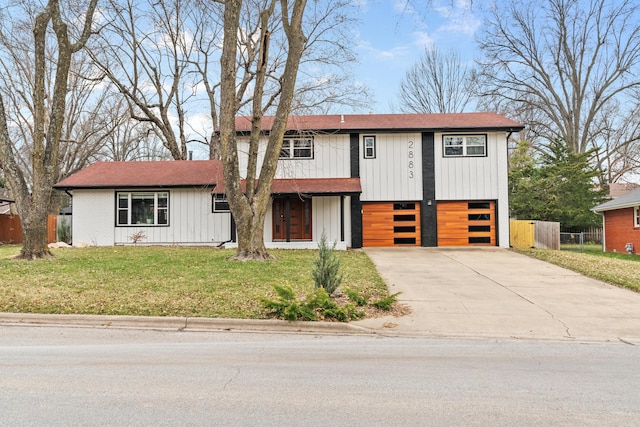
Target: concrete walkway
493	292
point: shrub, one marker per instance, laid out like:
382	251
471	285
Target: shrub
386	303
356	297
138	237
287	306
325	271
316	306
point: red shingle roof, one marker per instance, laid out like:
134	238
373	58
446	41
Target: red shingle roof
177	173
196	173
311	186
382	122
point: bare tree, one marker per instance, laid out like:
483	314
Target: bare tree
145	50
325	83
83	130
619	154
440	82
249	205
33	200
564	64
130	140
86	128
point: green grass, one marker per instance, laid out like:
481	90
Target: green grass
593	249
164	281
615	268
586	248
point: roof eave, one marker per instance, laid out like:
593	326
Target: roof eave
390	130
131	186
318	193
615	207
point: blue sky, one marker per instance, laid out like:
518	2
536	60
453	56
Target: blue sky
393	36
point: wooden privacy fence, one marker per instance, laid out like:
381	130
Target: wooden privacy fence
11	230
524	234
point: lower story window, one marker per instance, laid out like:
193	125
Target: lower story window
143	208
636	216
220	203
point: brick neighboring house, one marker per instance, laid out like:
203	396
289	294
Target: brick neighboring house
621	222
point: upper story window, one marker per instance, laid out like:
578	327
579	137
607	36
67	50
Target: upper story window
142	208
636	216
220	203
464	145
369	147
297	148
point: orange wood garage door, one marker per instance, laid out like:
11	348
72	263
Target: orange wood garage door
391	224
468	223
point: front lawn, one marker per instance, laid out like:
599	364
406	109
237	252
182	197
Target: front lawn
615	268
165	281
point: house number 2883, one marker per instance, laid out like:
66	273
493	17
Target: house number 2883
410	160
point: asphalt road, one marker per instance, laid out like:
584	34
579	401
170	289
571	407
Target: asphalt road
91	377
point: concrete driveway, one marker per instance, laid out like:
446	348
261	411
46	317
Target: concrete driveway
494	292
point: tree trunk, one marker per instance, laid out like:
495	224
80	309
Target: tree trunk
33	201
251	240
34	229
249	207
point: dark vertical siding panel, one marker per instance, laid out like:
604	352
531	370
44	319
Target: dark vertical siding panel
429	228
356	205
356	222
354	144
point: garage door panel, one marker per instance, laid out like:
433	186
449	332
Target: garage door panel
466	223
391	224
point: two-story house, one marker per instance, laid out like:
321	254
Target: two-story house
364	180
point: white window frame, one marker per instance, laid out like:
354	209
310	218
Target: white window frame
636	217
292	148
157	212
369	147
463	143
218	202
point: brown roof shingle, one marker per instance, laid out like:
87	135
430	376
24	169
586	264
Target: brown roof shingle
176	173
195	173
387	122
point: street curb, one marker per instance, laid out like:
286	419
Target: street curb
179	323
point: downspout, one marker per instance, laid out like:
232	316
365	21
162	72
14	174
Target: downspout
604	234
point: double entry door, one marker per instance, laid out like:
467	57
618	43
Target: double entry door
291	218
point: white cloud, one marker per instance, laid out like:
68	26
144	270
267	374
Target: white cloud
423	39
392	54
458	18
382	54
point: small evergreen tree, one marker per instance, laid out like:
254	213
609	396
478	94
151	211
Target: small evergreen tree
558	185
326	266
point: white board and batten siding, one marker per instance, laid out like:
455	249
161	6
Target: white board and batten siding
326	217
93	217
476	178
395	174
191	221
330	159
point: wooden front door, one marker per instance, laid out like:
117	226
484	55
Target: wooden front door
291	219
